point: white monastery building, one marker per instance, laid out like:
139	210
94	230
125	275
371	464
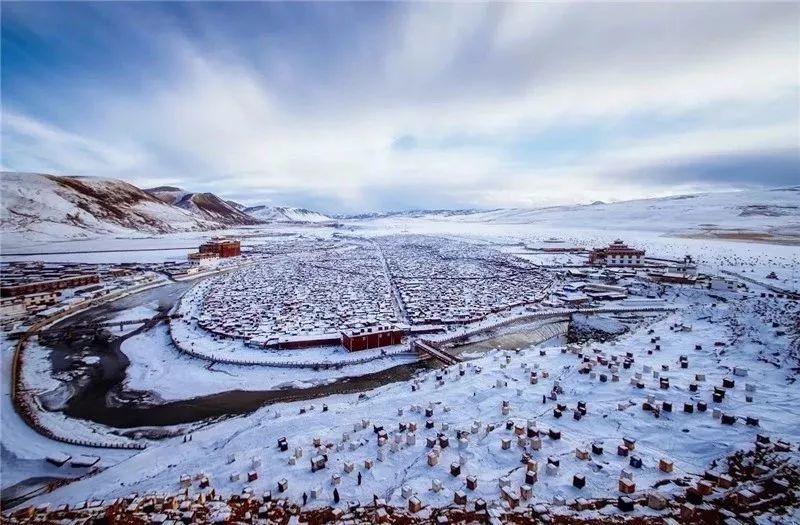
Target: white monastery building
617	254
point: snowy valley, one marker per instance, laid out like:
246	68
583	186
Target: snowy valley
528	381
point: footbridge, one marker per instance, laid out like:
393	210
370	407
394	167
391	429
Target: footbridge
92	327
432	350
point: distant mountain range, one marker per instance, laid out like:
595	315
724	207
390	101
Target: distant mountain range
205	205
284	214
413	213
211	207
56	207
772	214
48	207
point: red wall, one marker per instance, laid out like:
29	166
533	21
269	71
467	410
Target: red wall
372	340
231	249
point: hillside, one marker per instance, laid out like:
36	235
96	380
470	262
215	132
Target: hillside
236	205
754	214
54	207
205	205
286	214
168	194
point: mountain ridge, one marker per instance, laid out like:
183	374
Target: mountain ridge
286	214
58	207
205	205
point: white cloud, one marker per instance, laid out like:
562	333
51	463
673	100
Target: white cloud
225	126
36	145
612	174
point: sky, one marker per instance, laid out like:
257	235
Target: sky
349	107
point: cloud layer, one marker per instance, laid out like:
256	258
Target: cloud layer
350	107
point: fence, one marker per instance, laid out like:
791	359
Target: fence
554	314
770	287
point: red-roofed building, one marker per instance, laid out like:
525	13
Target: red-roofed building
372	337
222	247
617	254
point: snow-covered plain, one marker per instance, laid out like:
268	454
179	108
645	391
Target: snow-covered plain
24	449
154	359
774	213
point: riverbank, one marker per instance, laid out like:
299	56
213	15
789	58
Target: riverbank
27	405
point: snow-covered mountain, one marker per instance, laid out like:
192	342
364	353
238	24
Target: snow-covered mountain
211	207
55	207
48	207
773	213
168	194
413	213
286	214
236	205
205	205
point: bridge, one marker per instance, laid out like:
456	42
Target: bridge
92	327
428	348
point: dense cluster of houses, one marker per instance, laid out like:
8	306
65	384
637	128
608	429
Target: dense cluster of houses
25	278
367	294
300	299
37	288
443	281
311	292
757	486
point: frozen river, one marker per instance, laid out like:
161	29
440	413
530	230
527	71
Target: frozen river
98	393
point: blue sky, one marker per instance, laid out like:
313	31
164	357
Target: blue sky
383	106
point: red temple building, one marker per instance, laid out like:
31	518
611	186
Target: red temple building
222	247
617	254
372	337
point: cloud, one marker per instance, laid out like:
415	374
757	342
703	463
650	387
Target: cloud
36	145
372	106
769	168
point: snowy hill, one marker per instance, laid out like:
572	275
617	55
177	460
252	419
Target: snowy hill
414	214
236	205
205	205
742	214
285	214
168	194
53	207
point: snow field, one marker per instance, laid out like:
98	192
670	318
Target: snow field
38	379
691	441
154	359
24	448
